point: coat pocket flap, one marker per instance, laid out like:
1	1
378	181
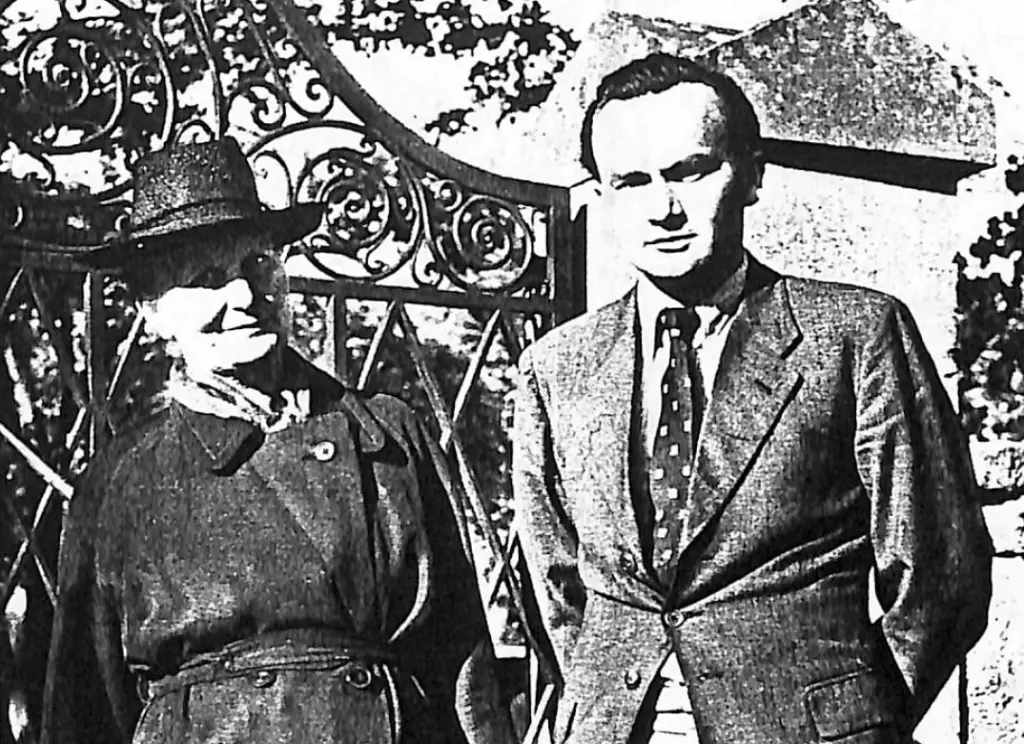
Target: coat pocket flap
844	705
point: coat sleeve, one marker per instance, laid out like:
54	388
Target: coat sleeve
89	696
452	647
932	551
546	532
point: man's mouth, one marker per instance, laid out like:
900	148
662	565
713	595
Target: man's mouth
673	240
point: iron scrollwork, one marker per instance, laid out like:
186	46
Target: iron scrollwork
385	216
82	97
483	241
106	82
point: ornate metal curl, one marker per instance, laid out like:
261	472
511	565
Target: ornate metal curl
371	208
282	79
382	214
482	241
115	86
89	85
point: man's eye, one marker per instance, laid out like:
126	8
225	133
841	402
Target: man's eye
630	181
693	170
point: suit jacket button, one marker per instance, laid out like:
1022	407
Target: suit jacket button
674	618
263	678
632	679
627	563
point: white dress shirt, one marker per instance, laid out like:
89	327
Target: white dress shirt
716	319
673	722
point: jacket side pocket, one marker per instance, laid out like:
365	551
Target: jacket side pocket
854	702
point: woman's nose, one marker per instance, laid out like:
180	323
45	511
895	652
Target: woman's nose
261	271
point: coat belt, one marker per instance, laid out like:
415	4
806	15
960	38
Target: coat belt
260	658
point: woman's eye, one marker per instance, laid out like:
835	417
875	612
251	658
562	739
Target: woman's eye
255	261
209	278
258	266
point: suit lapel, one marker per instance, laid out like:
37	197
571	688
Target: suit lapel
755	383
601	419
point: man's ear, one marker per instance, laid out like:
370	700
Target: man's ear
753	178
584	194
591	189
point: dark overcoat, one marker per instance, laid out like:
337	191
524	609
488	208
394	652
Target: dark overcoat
307	585
829	452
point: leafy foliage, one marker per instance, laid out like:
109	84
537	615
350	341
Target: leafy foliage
517	51
989	350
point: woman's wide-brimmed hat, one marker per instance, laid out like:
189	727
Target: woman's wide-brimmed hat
189	191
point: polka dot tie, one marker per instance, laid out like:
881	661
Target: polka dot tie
675	439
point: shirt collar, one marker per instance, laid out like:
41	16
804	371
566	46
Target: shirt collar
721	306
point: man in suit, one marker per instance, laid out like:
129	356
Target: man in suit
711	471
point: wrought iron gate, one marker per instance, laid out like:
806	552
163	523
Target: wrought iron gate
427	276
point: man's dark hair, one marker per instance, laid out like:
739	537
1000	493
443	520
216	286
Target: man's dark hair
658	72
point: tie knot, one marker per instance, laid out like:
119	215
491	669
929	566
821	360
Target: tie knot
681	322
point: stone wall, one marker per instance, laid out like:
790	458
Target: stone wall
995	668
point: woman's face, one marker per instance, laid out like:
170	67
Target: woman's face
230	309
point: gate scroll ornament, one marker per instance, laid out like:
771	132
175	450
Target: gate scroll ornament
88	86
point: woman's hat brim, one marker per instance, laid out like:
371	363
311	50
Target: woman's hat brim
139	247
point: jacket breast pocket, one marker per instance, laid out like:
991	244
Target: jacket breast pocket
862	707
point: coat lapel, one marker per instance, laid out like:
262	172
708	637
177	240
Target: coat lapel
755	383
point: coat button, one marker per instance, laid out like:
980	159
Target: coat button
323	451
359	676
263	678
632	679
674	618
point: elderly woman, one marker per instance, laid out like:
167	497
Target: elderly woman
271	557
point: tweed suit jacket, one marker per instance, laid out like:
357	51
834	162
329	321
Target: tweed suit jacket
829	451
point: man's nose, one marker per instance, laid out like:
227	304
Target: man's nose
675	216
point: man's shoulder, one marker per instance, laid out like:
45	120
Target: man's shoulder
834	303
812	288
587	332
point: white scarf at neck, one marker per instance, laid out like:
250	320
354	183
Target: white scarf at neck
226	397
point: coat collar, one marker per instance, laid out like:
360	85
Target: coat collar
230	442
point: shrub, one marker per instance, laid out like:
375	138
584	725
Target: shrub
989	351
